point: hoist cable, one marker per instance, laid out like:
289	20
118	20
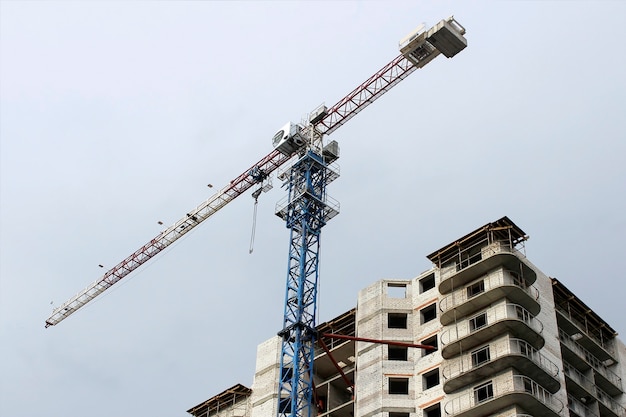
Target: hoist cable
256	203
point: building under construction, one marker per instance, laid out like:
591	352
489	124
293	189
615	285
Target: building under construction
510	341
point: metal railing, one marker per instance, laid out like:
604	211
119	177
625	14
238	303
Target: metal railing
610	403
493	315
467	362
605	344
590	358
462	295
480	250
578	377
579	408
521	384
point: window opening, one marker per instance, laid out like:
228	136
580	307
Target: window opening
433	411
478	322
480	356
284	405
430	379
476	289
397	353
395	290
397	320
524	348
431	341
522	314
517	279
483	392
399	386
427	283
528	386
428	313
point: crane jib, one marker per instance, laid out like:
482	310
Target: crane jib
417	50
235	188
307	210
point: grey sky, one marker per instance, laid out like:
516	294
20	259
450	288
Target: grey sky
116	115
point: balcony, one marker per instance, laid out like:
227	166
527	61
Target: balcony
481	294
578	409
525	392
608	406
470	264
603	350
576	318
489	360
491	323
582	387
574	353
577	383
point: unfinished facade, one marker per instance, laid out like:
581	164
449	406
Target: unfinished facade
510	341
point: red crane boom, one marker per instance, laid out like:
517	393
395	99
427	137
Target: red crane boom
418	49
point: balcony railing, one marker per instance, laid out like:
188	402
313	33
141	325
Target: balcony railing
473	254
590	359
605	344
578	408
577	376
507	283
480	251
471	404
492	316
610	403
513	348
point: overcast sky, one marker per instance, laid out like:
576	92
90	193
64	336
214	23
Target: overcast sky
116	115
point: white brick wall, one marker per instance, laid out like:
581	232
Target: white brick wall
373	369
265	386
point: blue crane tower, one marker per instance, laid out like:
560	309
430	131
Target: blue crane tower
308	206
306	209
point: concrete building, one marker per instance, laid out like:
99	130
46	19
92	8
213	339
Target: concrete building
510	340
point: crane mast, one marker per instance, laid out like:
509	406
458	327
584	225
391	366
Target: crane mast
305	211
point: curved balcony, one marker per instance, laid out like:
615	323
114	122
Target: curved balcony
479	295
489	258
524	391
491	323
489	360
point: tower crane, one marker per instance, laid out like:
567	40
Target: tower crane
306	209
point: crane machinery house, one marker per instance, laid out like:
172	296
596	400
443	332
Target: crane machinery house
288	140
